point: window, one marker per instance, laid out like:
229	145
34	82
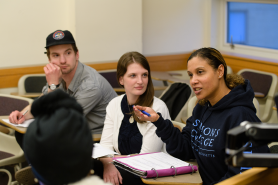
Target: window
252	24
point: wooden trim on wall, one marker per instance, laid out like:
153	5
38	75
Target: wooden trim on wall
168	62
9	77
239	62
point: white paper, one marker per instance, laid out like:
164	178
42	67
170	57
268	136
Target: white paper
157	161
26	123
100	151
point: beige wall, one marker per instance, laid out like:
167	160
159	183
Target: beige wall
106	29
103	30
24	27
175	26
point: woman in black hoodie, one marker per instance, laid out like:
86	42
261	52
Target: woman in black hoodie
224	102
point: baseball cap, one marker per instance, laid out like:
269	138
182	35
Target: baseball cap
58	143
59	37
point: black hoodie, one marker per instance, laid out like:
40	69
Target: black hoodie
204	136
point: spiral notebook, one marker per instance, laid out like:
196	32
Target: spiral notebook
155	165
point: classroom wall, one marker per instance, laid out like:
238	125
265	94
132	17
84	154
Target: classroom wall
24	27
107	29
175	26
103	30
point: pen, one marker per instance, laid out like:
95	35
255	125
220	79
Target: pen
23	114
144	112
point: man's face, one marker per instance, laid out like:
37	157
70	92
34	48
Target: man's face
64	57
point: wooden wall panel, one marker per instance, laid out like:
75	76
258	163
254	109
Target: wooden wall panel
238	62
9	77
168	62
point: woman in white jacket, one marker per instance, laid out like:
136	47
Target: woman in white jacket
123	131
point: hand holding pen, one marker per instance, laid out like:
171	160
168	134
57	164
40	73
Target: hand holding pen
22	117
148	115
18	117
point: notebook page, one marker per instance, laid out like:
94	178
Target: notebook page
100	151
26	123
157	161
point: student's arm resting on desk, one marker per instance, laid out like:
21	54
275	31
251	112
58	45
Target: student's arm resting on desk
110	172
15	115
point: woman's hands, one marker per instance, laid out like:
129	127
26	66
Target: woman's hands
110	172
153	118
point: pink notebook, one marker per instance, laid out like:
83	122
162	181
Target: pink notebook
156	164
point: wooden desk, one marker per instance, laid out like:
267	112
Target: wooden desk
156	88
165	76
96	137
259	95
27	95
24	129
185	179
18	129
254	176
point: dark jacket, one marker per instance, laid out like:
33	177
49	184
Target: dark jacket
204	136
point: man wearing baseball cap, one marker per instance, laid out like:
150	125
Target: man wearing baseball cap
65	72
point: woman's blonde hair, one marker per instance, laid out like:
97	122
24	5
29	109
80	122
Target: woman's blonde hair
146	99
215	59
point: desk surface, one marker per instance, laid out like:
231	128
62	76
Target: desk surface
22	130
34	95
185	179
253	176
156	88
259	95
18	129
27	95
165	76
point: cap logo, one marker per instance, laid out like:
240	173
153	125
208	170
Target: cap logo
58	35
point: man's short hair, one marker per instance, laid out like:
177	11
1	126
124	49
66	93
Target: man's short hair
74	47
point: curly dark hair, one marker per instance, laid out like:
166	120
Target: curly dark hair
214	59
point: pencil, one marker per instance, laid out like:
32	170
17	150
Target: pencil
23	114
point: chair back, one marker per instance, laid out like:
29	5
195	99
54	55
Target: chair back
11	103
31	83
178	125
176	97
111	77
265	85
191	104
10	150
229	70
257	106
